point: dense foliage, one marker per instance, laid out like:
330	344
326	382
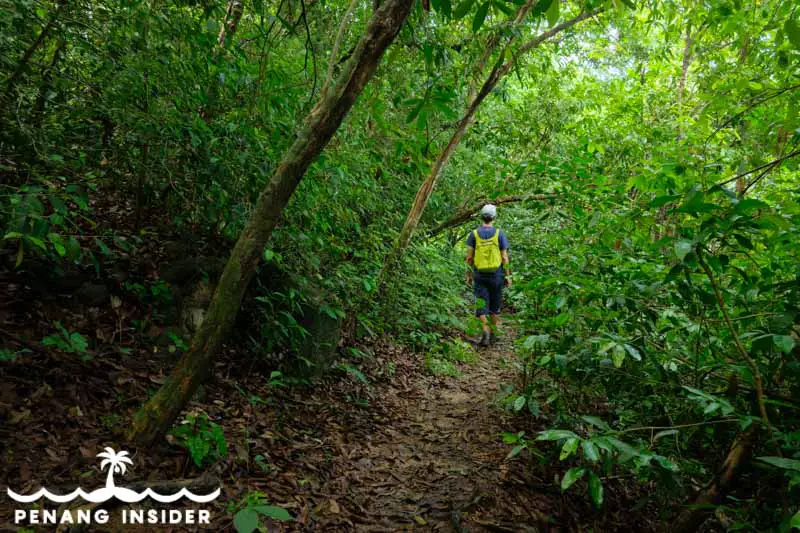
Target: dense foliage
656	291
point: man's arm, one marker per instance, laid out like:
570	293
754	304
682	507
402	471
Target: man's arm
506	268
468	259
504	254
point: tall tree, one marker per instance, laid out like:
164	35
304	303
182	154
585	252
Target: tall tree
158	414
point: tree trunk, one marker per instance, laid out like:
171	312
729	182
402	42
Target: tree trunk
687	61
425	190
158	414
465	214
231	22
693	517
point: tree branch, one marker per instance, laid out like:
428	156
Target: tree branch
765	165
464	214
335	51
757	381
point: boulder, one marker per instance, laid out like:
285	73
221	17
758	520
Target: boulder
195	304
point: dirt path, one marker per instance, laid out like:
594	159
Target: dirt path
437	462
405	451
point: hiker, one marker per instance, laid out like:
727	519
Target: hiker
487	254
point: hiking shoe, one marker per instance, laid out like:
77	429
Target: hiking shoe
484	339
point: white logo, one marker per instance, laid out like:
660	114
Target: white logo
116	464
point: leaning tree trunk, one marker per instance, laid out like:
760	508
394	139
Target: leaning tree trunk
158	414
425	190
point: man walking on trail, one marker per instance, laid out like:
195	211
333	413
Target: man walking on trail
487	255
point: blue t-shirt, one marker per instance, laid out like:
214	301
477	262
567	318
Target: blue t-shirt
487	232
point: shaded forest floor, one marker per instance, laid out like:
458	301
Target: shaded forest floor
407	451
387	448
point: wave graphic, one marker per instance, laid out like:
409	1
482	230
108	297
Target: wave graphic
107	493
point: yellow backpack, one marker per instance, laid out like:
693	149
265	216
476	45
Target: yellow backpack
487	252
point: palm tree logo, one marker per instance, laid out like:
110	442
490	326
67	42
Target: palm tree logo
116	462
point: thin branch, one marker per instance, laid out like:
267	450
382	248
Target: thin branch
465	214
337	43
654	428
765	165
309	46
757	382
760	176
750	107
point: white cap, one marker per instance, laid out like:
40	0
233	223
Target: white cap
489	211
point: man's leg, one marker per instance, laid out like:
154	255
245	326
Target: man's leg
495	301
482	293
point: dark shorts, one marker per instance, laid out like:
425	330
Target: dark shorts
488	287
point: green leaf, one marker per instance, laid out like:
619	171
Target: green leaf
714	262
682	248
515	451
103	248
571	476
595	489
36	240
623	447
462	9
568	448
618	355
519	403
781	462
274	512
662	200
674	272
556	434
503	7
446	8
744	242
245	521
590	451
541	7
665	433
795	521
596	422
78	342
58	243
560	319
13	235
695	205
784	343
792	32
749	204
552	13
480	16
633	352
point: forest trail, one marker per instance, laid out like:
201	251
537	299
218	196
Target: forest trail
439	460
434	460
